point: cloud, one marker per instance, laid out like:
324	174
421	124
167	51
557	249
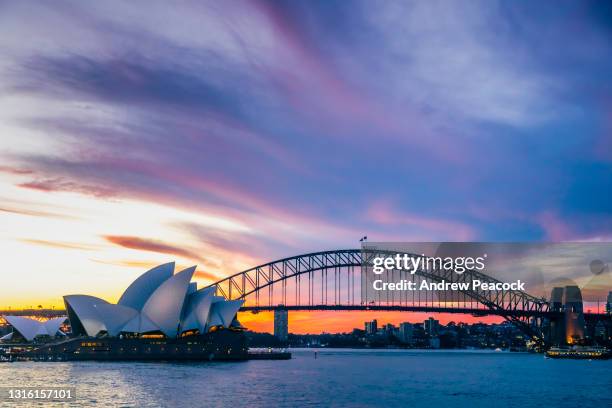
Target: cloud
62	185
293	118
13	170
206	275
34	213
257	246
129	263
457	61
384	213
59	244
143	244
555	228
146	265
132	80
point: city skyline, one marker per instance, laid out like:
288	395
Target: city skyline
229	136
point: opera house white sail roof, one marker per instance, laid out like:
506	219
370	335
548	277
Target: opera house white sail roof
30	328
159	301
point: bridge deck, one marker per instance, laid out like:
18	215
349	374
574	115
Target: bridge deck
384	308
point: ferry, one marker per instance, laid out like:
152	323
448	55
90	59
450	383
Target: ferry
579	353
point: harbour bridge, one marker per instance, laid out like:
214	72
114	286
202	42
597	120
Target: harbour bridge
336	280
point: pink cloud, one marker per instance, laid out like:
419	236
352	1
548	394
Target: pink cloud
61	184
59	244
340	104
384	213
554	228
33	213
144	244
14	170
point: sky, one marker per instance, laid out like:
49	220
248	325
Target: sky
231	134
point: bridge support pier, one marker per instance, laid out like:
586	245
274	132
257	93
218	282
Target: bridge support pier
281	324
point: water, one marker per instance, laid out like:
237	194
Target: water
337	378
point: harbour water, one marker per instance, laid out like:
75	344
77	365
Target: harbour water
336	377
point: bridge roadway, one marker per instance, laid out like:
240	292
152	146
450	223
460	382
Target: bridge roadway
589	317
49	313
397	308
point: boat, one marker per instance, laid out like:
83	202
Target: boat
579	353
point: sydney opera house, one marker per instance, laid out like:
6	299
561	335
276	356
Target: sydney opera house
30	329
161	315
159	302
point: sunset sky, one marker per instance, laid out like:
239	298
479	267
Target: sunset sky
231	134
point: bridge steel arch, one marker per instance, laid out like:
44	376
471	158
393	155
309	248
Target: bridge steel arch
515	306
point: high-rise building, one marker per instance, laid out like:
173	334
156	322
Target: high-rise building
405	332
431	326
609	303
281	324
371	327
600	329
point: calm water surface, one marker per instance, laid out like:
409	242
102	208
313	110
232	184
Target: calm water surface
354	378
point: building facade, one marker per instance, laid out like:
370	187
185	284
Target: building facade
159	302
371	327
406	331
281	325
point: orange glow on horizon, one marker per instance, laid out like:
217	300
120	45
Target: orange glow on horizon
345	321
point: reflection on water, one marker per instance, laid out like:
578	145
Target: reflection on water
334	378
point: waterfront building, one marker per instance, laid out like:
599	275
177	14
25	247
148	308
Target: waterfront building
371	327
405	332
281	324
431	326
27	329
158	303
389	329
600	331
